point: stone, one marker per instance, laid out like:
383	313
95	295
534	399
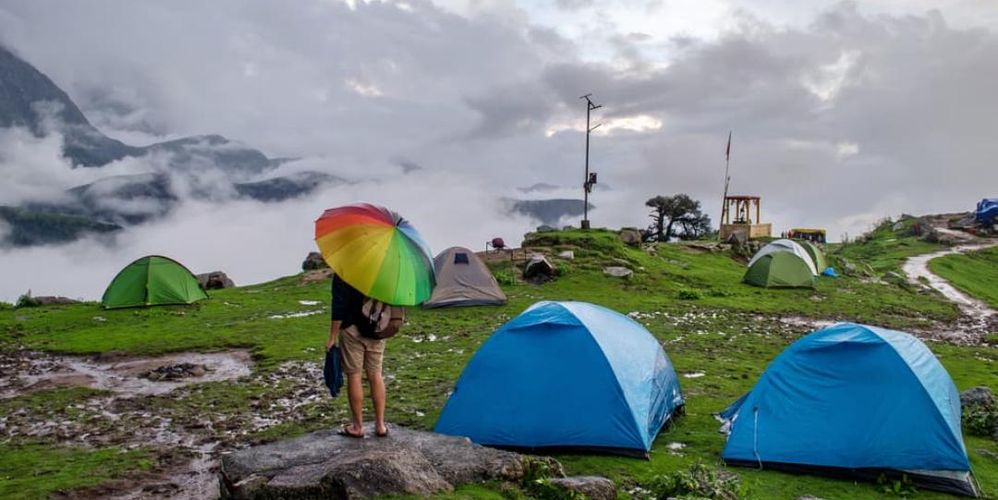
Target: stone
46	300
567	255
546	229
316	275
324	464
630	236
592	487
977	396
215	280
617	271
538	269
313	261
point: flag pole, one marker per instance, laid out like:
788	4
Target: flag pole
727	179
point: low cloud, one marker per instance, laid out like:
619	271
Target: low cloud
839	119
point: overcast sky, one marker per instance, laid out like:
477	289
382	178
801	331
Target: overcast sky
842	113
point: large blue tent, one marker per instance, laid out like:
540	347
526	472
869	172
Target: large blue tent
565	375
856	401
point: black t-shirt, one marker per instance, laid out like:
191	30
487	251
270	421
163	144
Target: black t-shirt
347	302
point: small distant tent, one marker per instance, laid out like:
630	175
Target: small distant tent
786	245
853	401
153	280
568	376
987	211
463	280
817	256
781	270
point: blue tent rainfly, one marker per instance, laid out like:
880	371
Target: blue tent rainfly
852	400
565	375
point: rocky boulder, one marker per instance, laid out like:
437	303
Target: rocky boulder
324	464
977	396
53	301
215	280
313	261
630	236
591	487
538	269
617	271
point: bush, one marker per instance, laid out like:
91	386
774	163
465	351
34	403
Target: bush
505	278
689	295
902	487
560	269
537	482
980	420
697	481
26	300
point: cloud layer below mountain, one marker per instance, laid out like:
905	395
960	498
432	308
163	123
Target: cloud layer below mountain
838	119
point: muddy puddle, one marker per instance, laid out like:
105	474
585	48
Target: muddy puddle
125	376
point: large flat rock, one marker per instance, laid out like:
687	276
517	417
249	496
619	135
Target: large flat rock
324	464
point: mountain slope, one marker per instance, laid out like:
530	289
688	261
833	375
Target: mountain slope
30	99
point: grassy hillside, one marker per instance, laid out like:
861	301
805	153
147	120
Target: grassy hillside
975	273
690	299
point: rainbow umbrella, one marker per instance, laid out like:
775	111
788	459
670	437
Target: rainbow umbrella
377	252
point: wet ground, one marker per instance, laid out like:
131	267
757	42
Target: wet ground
161	403
978	318
22	372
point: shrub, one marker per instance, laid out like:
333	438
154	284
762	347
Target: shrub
697	481
902	487
560	269
505	278
537	482
980	420
26	300
689	295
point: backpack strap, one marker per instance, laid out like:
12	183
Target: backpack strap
397	313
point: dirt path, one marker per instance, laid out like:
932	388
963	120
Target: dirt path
977	316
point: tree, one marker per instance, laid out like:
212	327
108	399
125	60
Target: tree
678	216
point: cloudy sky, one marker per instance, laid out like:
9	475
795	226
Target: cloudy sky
842	113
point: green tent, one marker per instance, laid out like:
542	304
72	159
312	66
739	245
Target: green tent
780	270
817	256
153	280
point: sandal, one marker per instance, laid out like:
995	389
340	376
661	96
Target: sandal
382	434
345	431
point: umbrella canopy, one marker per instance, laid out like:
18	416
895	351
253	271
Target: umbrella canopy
377	252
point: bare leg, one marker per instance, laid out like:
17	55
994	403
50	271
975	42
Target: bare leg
378	398
355	393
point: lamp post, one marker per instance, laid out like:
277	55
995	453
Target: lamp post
590	178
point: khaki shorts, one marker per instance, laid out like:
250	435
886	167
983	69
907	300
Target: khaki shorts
360	353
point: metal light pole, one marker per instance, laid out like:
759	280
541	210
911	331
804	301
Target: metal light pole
590	179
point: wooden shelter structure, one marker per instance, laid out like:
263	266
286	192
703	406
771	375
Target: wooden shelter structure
736	217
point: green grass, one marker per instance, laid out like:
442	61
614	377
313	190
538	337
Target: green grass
693	300
37	471
975	273
883	248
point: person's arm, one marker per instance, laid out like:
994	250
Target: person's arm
337	311
334	333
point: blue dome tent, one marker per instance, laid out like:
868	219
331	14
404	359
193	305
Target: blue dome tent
565	375
853	401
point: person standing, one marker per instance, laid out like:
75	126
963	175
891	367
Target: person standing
361	355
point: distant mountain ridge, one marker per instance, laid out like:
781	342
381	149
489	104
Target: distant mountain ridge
548	212
30	99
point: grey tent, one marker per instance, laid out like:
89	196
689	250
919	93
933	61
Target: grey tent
463	280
